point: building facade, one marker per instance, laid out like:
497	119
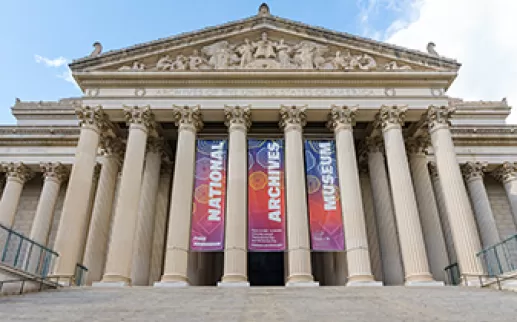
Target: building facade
264	152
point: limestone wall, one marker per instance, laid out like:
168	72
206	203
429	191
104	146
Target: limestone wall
500	207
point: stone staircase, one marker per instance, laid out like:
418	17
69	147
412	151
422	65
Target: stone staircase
262	304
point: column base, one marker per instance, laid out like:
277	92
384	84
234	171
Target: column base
233	284
110	284
302	284
171	284
364	284
424	283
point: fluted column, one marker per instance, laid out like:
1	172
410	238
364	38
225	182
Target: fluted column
97	240
461	219
341	121
411	238
74	216
120	254
393	272
17	174
160	221
146	213
188	119
473	172
293	119
507	174
371	222
443	213
238	120
429	218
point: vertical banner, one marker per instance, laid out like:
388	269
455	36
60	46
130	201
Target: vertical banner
208	208
266	215
326	221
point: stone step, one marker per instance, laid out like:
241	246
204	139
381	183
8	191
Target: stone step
262	304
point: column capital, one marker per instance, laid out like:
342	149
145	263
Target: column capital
237	116
433	169
188	117
54	171
141	115
292	115
417	145
438	116
93	117
155	145
473	170
17	171
341	117
506	172
112	147
392	115
374	144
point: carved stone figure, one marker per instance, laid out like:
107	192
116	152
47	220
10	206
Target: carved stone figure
265	47
366	62
430	49
304	55
195	60
164	63
180	63
221	55
97	49
136	66
284	54
393	66
246	52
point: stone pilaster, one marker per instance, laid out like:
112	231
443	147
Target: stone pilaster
292	120
74	216
97	241
188	119
442	211
429	218
461	219
120	254
160	221
507	174
473	172
16	174
142	251
406	211
341	121
238	120
393	272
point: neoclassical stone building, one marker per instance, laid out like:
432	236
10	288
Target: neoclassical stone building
262	151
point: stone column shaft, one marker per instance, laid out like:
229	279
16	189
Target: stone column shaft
146	212
299	252
97	240
120	254
461	219
406	211
341	121
17	174
74	216
393	272
507	174
177	252
236	250
429	218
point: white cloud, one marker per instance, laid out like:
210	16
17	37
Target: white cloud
372	10
479	34
58	62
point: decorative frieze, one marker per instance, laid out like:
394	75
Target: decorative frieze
392	115
506	172
473	170
54	170
17	170
292	115
341	116
188	116
237	115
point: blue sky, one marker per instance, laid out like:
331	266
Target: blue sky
36	34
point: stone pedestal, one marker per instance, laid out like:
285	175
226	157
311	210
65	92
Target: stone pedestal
17	174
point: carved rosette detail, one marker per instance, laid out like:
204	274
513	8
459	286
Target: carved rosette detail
155	145
54	170
112	146
292	115
439	115
506	172
92	116
341	117
188	116
417	145
141	115
392	115
17	170
473	170
237	115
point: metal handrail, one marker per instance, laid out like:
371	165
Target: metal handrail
80	270
41	280
450	275
499	258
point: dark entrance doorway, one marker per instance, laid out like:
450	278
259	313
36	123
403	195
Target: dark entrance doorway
266	268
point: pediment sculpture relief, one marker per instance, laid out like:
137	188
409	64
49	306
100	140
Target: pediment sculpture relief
266	53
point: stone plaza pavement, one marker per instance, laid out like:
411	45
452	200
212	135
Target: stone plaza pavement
262	304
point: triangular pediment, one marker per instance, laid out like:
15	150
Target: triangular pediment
264	42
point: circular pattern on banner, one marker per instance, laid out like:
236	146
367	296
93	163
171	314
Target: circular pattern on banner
203	168
205	146
310	160
258	180
262	157
201	194
313	184
251	161
254	144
